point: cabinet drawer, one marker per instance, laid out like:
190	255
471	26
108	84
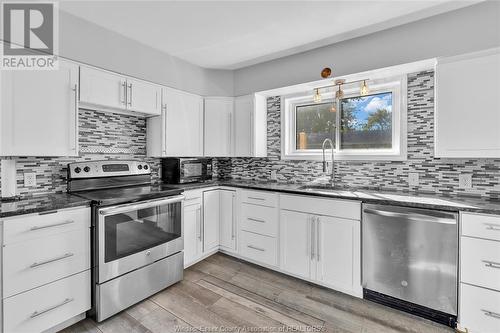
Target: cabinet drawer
262	198
346	209
22	228
44	307
480	262
259	219
479	309
259	248
482	226
33	263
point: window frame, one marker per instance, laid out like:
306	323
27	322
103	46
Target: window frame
395	85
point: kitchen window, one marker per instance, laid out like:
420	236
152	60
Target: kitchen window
362	127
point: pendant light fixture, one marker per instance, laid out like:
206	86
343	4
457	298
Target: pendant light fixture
339	93
317	96
364	89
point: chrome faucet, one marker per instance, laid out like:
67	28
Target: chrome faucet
332	176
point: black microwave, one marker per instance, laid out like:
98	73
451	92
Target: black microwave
178	170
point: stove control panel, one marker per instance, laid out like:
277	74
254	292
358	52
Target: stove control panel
93	169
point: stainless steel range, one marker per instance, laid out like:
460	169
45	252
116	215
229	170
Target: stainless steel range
137	236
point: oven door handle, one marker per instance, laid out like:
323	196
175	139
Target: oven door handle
142	205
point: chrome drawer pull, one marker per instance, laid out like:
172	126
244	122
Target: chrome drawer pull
37	313
491	264
255	198
255	220
51	225
491	314
41	263
490	226
256	248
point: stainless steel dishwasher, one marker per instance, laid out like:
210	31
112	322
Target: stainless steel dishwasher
410	260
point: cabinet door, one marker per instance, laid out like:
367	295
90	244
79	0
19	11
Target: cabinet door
183	123
338	253
467	116
218	124
39	112
103	89
228	219
243	126
211	217
143	97
295	243
192	234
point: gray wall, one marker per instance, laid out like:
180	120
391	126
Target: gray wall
86	42
464	30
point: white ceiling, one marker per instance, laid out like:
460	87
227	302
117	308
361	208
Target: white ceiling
235	34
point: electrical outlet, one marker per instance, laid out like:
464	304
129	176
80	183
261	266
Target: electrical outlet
274	175
29	179
413	179
465	180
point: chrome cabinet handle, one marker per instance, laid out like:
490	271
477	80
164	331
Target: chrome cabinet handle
130	96
491	314
312	237
233	234
124	86
491	226
230	134
317	237
198	222
255	220
75	90
164	135
256	198
37	313
41	263
34	228
491	264
256	248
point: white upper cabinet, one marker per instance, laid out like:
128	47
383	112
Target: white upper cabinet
250	126
143	97
178	132
108	91
39	112
467	106
218	126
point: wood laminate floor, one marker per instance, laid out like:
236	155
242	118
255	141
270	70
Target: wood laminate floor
224	294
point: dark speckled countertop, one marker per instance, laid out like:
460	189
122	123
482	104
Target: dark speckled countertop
378	196
42	203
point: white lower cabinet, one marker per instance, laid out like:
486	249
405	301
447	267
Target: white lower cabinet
321	248
295	243
259	248
479	309
211	220
45	269
45	307
193	243
227	218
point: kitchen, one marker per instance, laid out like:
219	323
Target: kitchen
313	179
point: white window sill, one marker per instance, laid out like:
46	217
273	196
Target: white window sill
303	156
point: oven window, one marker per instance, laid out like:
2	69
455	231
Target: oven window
135	231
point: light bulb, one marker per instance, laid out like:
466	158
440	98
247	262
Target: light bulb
317	96
334	108
364	88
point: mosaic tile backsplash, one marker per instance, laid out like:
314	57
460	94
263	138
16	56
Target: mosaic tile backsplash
435	175
102	136
116	136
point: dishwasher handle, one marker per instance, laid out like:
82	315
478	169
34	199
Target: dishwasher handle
446	219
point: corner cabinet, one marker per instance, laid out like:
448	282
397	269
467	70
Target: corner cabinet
108	91
218	126
250	126
178	131
39	112
227	218
467	116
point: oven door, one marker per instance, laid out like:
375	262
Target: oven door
134	235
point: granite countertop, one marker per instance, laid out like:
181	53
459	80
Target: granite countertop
378	196
41	203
